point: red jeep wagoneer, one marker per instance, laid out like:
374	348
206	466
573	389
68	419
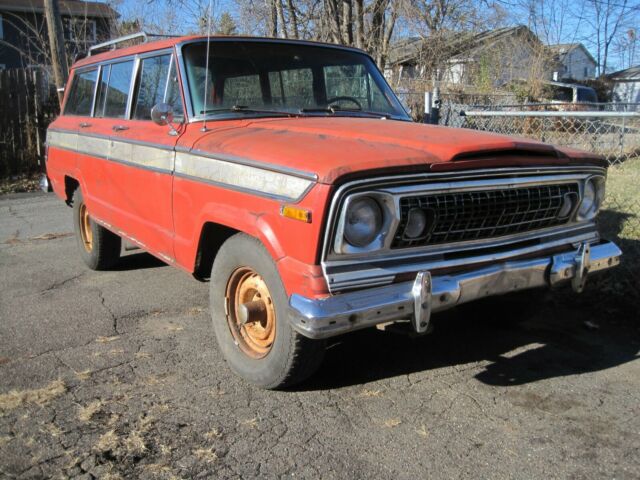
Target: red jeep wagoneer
288	173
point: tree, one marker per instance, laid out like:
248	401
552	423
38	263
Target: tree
226	25
607	18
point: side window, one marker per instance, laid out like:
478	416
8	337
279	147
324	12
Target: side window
102	90
173	96
81	94
243	90
118	89
154	72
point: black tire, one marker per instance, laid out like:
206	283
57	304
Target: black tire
104	250
292	357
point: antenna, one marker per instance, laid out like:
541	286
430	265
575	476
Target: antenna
206	66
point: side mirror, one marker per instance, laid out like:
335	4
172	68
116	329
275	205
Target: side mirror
162	114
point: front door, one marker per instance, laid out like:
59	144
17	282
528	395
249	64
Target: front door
142	153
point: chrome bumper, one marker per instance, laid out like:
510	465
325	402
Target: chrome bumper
415	301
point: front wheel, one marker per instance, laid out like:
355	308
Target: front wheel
99	247
249	313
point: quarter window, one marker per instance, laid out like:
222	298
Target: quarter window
117	95
173	96
81	94
154	72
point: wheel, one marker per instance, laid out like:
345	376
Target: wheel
99	247
249	310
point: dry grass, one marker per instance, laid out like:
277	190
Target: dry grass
4	440
215	433
107	339
108	442
134	443
175	328
51	236
131	444
52	429
140	355
371	393
86	413
251	422
39	396
207	455
392	422
422	431
83	375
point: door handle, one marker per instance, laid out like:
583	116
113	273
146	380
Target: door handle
84	125
119	128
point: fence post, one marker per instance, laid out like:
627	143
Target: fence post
427	106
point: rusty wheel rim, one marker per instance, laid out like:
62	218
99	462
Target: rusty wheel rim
86	233
250	312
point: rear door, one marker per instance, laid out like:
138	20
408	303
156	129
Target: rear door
94	136
141	152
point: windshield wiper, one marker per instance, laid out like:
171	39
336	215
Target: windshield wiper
333	109
246	109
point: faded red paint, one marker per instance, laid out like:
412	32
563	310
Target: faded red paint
166	213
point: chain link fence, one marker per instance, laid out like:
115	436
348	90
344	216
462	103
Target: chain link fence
611	130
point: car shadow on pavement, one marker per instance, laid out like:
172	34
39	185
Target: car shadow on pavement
512	340
138	261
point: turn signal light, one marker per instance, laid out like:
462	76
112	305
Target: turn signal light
297	213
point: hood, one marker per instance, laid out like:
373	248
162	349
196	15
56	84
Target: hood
335	147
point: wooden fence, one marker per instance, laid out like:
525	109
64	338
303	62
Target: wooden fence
28	103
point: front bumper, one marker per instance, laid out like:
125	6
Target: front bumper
415	301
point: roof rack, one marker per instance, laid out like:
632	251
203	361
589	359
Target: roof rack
112	44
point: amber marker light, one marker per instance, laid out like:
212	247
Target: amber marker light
296	213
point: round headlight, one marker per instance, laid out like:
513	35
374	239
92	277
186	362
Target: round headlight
592	198
363	222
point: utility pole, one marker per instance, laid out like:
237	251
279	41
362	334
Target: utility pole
56	43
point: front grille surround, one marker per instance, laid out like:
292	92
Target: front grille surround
460	216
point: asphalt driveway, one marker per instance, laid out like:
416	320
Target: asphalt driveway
117	374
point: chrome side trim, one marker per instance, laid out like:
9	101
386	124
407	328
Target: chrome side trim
339	314
251	163
241	176
245	176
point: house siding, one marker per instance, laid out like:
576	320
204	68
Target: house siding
577	65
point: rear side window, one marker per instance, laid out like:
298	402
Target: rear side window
117	95
81	94
152	87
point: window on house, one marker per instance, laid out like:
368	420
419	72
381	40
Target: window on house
81	30
117	94
81	94
586	71
1	28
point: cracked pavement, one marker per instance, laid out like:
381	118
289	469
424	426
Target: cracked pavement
117	374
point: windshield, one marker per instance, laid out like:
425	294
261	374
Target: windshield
272	78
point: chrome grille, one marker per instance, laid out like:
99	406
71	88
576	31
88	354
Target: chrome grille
462	216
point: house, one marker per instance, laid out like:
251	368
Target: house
572	62
626	85
488	59
23	29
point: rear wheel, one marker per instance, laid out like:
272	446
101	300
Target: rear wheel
99	247
249	310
